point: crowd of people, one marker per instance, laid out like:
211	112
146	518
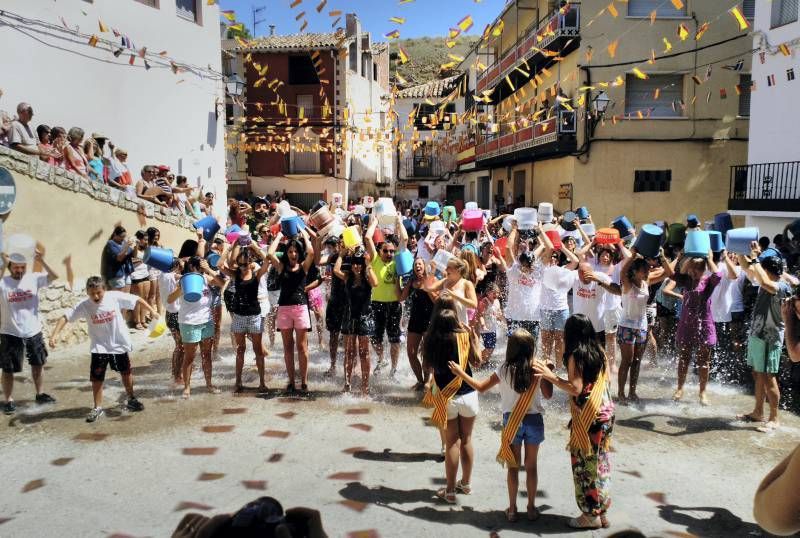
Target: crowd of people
569	301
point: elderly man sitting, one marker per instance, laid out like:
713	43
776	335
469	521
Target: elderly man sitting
22	138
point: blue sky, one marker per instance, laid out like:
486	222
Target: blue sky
423	17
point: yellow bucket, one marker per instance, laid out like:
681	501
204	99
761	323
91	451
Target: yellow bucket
157	327
351	237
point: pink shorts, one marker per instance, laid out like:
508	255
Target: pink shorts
315	298
293	317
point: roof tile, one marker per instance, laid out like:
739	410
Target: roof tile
434	88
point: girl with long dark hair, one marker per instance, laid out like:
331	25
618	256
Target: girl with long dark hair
521	401
592	411
419	318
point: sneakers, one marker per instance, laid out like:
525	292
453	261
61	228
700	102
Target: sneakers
10	408
135	405
45	398
94	414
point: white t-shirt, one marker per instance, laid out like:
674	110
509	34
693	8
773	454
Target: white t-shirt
508	397
612	301
198	313
524	290
19	305
556	284
166	285
489	317
634	308
722	297
108	331
587	299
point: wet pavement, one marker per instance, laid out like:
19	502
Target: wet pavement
371	466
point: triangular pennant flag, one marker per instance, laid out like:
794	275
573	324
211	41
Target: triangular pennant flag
740	19
612	48
103	27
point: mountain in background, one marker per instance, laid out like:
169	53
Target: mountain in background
426	56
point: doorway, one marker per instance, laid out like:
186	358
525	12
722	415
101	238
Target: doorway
519	188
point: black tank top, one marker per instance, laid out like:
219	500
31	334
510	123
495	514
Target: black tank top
359	298
245	298
421	304
293	285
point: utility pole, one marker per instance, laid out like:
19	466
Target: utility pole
257	21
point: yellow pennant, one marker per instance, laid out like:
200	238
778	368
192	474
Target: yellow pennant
683	32
397	20
657	94
737	14
701	30
678	4
639	74
613	10
612	48
667	45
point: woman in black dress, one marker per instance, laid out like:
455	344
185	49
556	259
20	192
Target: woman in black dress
419	317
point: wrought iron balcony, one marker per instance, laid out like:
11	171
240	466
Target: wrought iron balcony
426	167
553	135
765	187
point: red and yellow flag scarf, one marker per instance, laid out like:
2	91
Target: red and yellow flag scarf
439	398
505	456
582	418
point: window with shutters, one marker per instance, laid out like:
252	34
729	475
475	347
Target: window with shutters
745	84
659	96
306	103
749	9
188	9
784	12
663	8
652	180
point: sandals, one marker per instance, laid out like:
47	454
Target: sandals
768	427
584	522
466	489
512	515
533	513
447	496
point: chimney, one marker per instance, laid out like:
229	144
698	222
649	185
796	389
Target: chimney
271	29
353	25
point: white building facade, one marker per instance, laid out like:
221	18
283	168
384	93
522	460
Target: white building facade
151	83
766	192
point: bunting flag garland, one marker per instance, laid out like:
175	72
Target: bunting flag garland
103	27
321	6
701	30
678	4
465	23
397	20
229	14
612	48
402	56
639	74
683	32
770	80
723	93
612	10
784	49
93	40
740	19
738	66
790	74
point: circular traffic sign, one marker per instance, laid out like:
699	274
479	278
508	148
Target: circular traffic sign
8	191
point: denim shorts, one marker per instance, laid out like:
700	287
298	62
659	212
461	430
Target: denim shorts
192	334
530	432
553	320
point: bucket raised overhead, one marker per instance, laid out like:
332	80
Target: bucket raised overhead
192	285
648	242
159	258
738	240
697	244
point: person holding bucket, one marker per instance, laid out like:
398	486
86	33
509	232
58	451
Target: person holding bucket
419	317
167	283
140	280
246	318
293	319
195	319
696	330
524	284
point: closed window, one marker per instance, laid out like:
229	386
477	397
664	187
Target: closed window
652	180
744	88
151	3
302	71
422	191
749	9
305	102
641	96
374	71
643	8
187	9
784	12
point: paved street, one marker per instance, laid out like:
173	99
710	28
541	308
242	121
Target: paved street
366	465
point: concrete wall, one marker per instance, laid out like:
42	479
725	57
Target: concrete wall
699	184
299	184
158	116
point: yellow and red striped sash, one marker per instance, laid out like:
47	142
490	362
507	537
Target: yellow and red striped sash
440	397
505	456
583	418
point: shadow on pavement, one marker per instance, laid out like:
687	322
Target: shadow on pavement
462	514
397	457
689	425
721	522
34	418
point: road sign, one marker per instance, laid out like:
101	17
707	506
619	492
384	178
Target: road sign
8	191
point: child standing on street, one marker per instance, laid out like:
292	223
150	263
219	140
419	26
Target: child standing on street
110	340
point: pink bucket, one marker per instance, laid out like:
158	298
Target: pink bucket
472	220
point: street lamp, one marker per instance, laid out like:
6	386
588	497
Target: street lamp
234	85
599	106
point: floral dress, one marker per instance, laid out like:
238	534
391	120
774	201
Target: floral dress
592	472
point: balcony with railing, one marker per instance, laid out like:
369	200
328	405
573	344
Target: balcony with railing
558	32
426	167
765	187
546	137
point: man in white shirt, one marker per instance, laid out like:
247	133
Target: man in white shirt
20	327
588	298
110	341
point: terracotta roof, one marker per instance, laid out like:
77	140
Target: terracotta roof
434	88
295	41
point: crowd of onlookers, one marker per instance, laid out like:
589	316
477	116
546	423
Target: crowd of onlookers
96	158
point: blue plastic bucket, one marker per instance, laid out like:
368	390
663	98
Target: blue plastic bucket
692	221
582	212
623	226
159	258
649	241
568	219
723	223
676	234
192	285
403	262
213	259
738	240
209	225
432	209
715	238
697	244
292	226
449	213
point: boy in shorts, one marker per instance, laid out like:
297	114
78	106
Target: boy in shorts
110	341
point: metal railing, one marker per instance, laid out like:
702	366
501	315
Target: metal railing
537	134
765	186
423	166
540	35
